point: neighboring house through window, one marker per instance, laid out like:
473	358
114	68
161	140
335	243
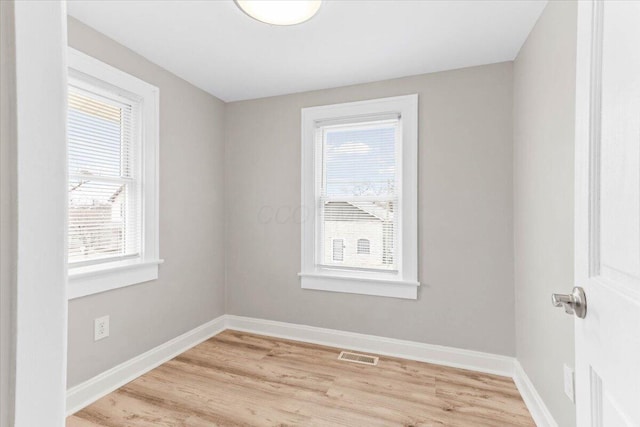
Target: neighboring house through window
112	128
360	185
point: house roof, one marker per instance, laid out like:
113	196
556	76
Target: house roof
357	211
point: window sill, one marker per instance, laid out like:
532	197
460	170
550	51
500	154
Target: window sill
84	281
360	285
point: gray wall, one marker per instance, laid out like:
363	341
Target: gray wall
465	214
7	210
190	288
544	95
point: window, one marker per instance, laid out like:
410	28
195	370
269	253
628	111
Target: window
359	177
338	250
357	188
364	247
112	139
104	221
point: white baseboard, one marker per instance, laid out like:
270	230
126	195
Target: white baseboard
441	355
93	389
539	411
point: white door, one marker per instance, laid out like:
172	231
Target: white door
608	213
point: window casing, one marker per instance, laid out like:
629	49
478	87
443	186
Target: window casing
359	185
112	136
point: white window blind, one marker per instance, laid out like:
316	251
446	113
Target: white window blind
104	191
357	197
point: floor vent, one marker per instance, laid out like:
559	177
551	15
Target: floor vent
365	359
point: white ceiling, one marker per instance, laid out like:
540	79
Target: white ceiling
215	46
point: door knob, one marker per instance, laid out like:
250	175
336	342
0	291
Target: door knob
573	303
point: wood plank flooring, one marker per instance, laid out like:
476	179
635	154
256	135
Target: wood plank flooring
241	379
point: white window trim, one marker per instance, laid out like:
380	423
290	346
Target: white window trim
97	278
403	283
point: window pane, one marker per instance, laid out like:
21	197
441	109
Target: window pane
353	224
358	199
360	160
103	201
100	220
99	133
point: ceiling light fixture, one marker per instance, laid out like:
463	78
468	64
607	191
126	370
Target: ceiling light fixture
280	12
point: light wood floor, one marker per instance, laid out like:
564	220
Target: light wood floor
237	378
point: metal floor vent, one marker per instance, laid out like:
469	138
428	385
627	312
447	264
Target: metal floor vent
365	359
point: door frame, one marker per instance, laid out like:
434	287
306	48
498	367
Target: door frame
38	199
587	159
7	211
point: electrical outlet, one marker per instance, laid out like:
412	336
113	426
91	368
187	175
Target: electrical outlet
568	383
100	328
